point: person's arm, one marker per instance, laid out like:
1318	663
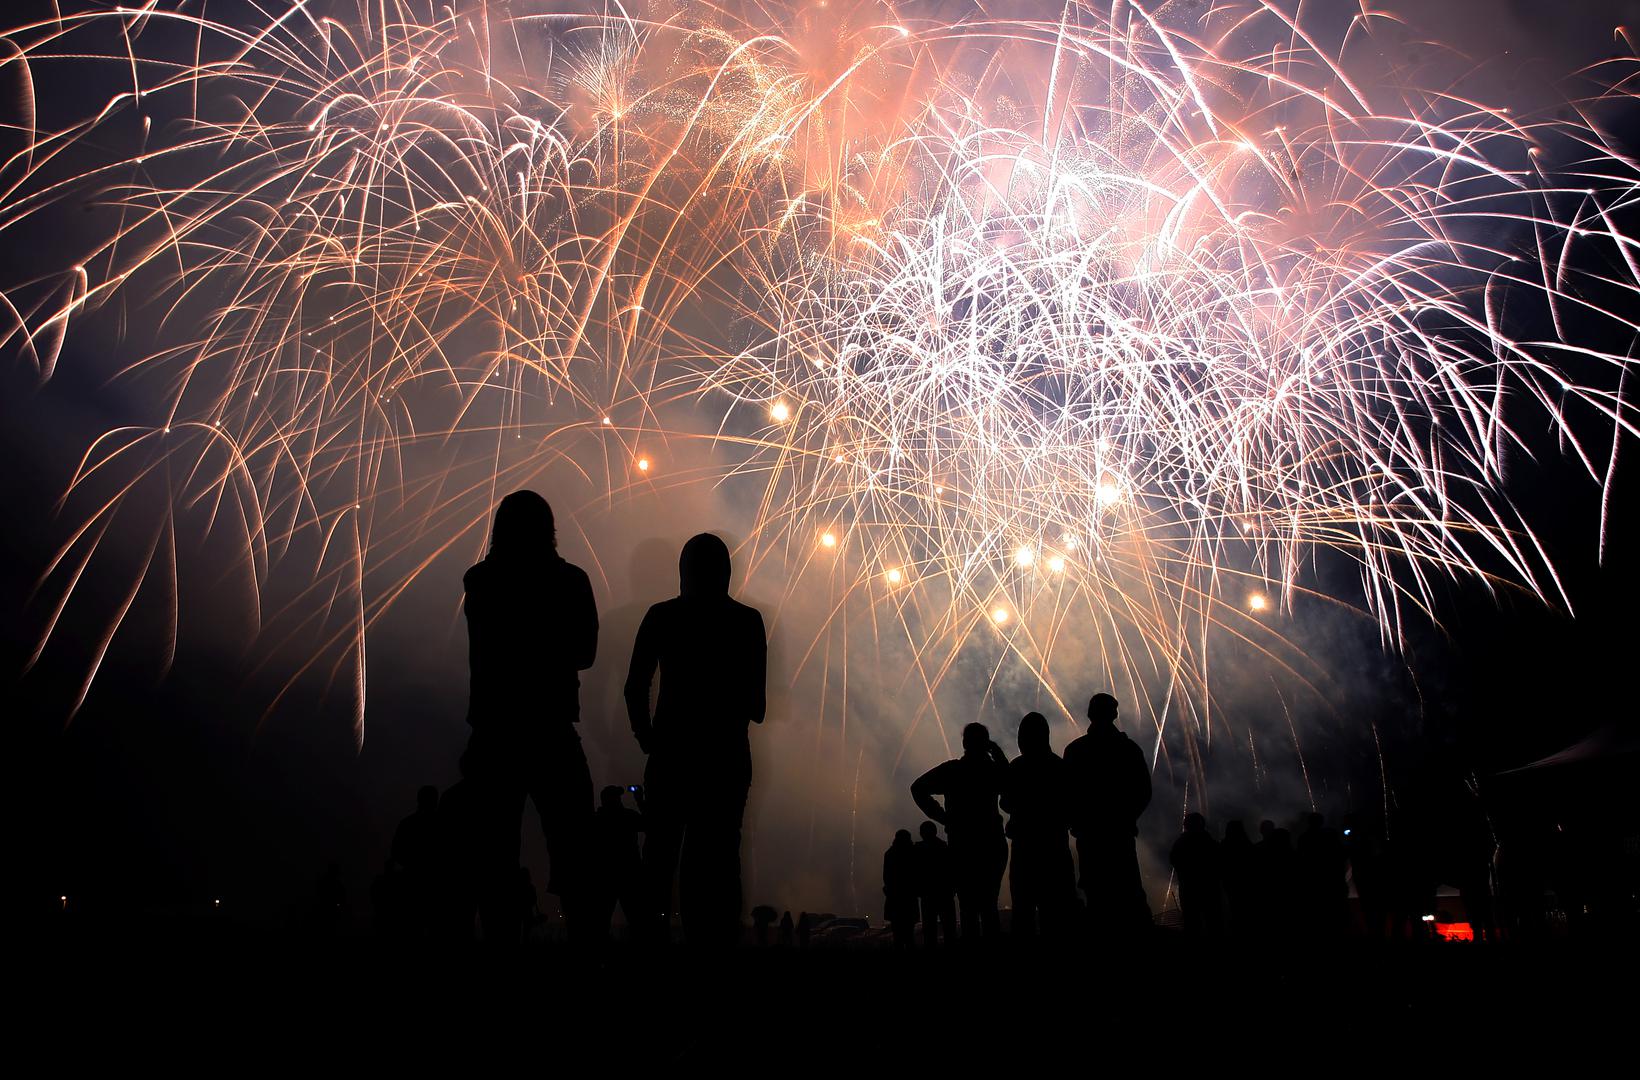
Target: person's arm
923	792
583	615
1141	782
640	675
758	675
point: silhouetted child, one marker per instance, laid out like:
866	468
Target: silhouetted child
1041	874
971	786
1110	788
936	887
415	852
1195	859
1239	879
900	889
617	860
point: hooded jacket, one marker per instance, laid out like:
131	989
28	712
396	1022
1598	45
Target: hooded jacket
711	654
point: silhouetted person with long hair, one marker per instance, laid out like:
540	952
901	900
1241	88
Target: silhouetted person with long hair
532	627
415	853
1323	883
712	656
1238	876
617	860
1110	785
1195	859
900	889
971	786
1036	799
936	886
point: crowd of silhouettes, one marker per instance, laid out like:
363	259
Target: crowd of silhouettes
453	870
1095	794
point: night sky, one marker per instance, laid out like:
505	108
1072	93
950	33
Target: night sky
176	784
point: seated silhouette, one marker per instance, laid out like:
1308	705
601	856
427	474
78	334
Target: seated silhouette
971	786
532	626
1110	788
711	655
1040	873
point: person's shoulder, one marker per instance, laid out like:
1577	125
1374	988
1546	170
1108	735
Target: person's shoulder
477	576
746	611
571	573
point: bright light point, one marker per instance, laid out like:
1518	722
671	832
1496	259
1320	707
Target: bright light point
1057	564
939	491
894	576
1257	602
643	464
999	615
1024	557
780	412
828	540
1107	493
607	421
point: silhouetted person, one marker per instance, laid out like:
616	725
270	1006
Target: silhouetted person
1364	850
1040	874
1322	883
532	627
711	653
900	889
617	861
1110	786
1239	878
763	917
936	886
461	827
788	931
971	786
415	853
1275	877
1195	859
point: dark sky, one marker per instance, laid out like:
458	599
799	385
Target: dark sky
171	787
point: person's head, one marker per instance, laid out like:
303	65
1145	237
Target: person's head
928	830
427	799
1102	709
1194	823
1033	733
975	738
523	526
1313	822
611	797
902	837
1266	828
703	568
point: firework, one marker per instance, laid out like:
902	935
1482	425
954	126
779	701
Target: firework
1118	314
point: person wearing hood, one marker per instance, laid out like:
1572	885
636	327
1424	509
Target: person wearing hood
711	654
532	626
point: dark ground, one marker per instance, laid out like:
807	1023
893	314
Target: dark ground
234	1001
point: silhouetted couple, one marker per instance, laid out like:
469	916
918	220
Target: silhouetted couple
532	626
1097	792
